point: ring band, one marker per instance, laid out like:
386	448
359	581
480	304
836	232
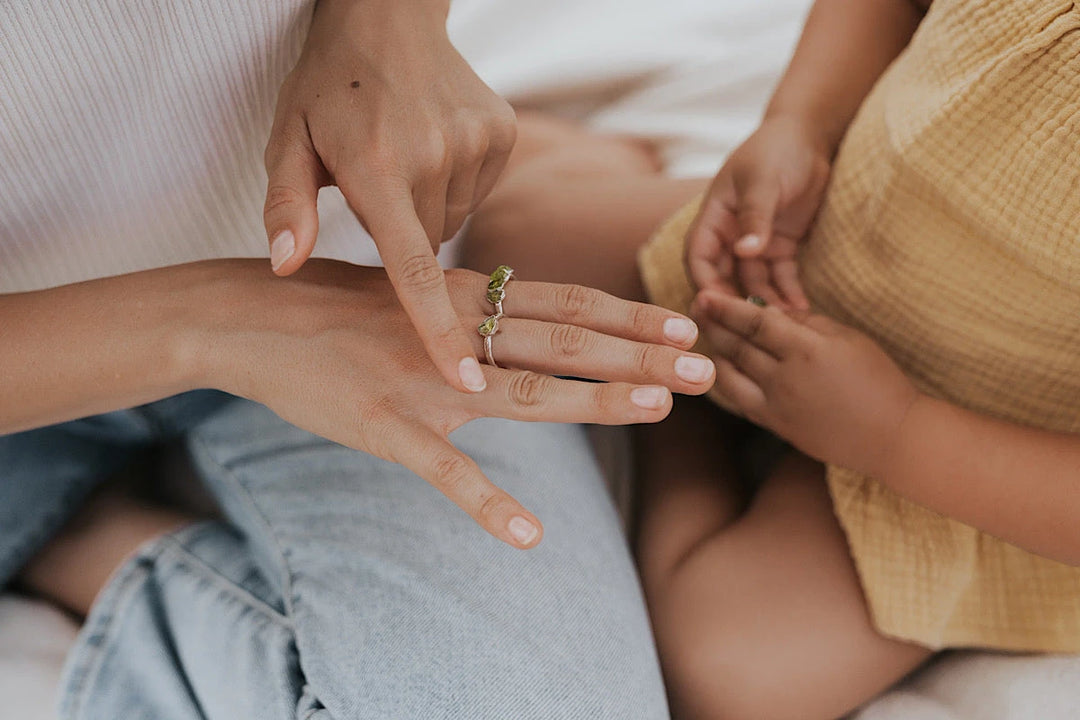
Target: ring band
496	293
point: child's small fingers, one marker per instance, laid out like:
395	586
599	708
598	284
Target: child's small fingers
708	259
742	393
786	279
757	206
756	279
768	328
748	359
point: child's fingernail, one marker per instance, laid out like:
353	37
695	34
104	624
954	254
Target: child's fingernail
693	369
282	248
749	243
679	330
471	375
522	530
649	398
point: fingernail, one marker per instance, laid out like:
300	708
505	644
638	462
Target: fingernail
679	330
282	248
522	530
693	369
749	243
471	375
649	398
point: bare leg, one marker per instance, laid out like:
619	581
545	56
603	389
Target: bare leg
574	207
76	564
759	616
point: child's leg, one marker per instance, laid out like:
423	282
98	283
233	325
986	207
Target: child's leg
759	616
78	562
574	207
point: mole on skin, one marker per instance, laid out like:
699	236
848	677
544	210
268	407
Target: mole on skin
355	84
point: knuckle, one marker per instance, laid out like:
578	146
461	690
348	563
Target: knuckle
450	471
645	361
755	326
281	197
475	136
574	302
527	389
490	508
503	130
641	320
420	273
568	341
374	420
602	401
436	158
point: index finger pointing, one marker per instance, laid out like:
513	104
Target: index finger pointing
421	287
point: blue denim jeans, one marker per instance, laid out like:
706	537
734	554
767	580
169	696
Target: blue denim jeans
341	586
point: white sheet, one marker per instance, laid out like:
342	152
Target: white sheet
692	75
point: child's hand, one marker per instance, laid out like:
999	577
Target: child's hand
758	209
826	388
382	105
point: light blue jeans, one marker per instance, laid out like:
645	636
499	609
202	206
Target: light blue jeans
341	586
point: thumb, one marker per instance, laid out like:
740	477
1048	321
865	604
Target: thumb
755	214
291	211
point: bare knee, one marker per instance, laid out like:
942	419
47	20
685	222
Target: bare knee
713	673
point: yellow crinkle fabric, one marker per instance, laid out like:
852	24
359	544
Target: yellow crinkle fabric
951	235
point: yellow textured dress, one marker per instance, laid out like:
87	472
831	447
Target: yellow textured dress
951	235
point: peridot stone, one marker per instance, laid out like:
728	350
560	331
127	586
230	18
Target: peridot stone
490	326
756	300
496	296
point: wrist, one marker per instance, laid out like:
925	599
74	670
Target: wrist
380	17
905	445
814	132
205	348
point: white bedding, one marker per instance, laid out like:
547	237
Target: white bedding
692	75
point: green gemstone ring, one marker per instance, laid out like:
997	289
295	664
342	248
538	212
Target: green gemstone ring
756	300
496	293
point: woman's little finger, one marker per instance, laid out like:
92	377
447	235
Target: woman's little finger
457	476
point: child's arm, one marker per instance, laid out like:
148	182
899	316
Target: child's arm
764	199
837	396
1015	482
844	48
574	207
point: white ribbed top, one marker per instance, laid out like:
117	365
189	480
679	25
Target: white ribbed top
132	133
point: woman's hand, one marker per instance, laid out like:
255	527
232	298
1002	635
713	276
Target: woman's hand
382	105
332	351
757	211
826	388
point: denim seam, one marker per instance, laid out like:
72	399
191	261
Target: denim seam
92	655
180	555
253	507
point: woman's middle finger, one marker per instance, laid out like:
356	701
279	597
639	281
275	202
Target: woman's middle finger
572	350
